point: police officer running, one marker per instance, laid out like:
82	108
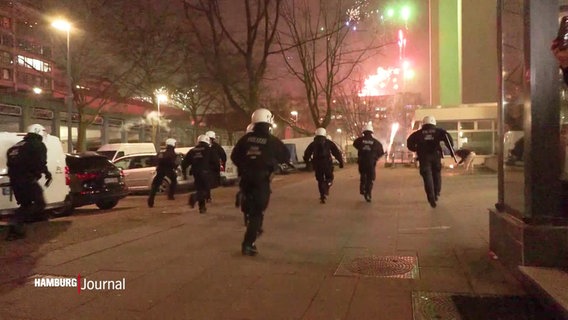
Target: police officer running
203	161
167	164
221	155
26	162
319	153
369	150
426	143
256	156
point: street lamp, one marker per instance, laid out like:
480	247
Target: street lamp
161	95
64	25
295	115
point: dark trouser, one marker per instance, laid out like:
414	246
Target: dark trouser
324	176
431	172
202	187
214	184
159	178
29	196
256	195
367	176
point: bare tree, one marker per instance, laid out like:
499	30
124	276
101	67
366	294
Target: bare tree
113	57
233	40
321	50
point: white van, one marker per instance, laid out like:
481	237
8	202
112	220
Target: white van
297	147
114	151
56	195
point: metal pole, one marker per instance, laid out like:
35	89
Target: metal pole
158	129
69	99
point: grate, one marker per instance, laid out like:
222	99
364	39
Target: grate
434	305
403	267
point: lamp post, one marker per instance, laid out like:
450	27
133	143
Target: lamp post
160	96
339	131
66	26
295	115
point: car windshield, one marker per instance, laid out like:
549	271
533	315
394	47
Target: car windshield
108	154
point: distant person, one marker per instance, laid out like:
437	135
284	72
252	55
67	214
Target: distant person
203	160
369	151
26	162
466	158
318	154
426	143
221	155
256	155
166	167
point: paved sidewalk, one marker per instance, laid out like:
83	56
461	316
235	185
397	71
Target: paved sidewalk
394	258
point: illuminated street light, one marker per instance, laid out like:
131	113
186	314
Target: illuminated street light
295	115
338	130
64	25
405	13
37	90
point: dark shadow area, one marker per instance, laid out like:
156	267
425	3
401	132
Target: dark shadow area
18	258
88	211
500	308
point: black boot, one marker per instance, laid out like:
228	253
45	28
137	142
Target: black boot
150	201
192	200
249	250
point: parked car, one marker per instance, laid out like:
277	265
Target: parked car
139	171
114	151
93	179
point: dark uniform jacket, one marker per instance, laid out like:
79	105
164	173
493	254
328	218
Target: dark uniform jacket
320	151
201	158
220	152
27	159
369	149
167	160
426	141
258	153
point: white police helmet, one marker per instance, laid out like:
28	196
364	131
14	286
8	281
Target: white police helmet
321	132
250	127
368	127
204	138
37	129
429	120
210	134
171	142
261	115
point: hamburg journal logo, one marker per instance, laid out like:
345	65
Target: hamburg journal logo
79	283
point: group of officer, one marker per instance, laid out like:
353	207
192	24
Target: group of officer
206	160
256	155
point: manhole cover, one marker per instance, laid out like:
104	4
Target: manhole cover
380	266
433	305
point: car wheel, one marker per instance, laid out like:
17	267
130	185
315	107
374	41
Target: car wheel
107	204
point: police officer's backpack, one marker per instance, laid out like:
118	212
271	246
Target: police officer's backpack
17	158
322	151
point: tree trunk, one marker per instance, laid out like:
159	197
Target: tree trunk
81	145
